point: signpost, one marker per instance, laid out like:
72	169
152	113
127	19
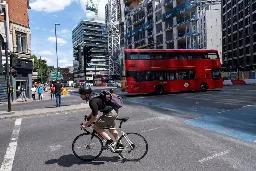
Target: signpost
53	75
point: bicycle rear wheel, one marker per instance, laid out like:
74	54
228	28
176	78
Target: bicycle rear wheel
135	146
87	147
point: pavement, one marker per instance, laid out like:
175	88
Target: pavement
44	143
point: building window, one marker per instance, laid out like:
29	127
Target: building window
21	42
241	52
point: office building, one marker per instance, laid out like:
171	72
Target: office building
19	41
161	24
92	34
239	33
210	29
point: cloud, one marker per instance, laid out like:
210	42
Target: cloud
64	31
45	53
101	8
65	62
50	5
60	40
58	5
49	61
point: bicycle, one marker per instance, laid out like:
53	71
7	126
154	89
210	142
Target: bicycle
96	138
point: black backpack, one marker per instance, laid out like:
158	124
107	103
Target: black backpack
109	99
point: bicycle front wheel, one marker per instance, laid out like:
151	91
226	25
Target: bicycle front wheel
87	147
135	146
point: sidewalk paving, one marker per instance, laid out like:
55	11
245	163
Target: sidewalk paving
47	96
17	114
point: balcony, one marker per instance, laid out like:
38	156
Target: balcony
183	7
168	2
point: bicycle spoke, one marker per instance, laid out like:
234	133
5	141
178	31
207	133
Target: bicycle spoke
135	146
87	147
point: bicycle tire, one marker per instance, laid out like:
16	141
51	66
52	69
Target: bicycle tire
145	141
78	156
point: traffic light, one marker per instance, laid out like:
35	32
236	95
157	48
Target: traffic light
87	55
14	73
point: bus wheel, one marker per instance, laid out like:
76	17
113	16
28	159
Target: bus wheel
203	86
159	89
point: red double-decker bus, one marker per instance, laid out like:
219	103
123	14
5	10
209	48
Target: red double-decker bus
171	70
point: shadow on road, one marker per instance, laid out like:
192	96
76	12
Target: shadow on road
70	160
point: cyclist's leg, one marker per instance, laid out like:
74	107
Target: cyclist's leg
102	132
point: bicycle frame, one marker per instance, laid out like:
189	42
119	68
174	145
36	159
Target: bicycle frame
113	150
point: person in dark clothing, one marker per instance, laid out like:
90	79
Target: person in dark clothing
58	91
106	121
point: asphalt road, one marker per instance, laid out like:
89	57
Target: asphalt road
44	143
229	111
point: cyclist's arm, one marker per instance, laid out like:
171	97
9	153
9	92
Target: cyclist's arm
93	118
94	115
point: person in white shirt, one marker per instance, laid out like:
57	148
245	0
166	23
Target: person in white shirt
33	91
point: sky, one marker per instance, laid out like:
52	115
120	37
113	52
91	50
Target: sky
68	13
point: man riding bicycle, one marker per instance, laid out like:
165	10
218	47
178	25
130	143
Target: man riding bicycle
106	121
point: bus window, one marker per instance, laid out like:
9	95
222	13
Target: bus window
192	74
149	76
171	75
144	56
134	56
197	56
140	76
216	74
156	56
213	56
185	74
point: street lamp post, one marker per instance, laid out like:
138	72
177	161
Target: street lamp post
7	47
57	50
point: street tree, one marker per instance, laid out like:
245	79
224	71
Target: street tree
41	67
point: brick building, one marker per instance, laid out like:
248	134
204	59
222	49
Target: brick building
20	40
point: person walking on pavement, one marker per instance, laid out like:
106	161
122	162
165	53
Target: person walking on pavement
40	92
52	89
58	91
23	93
33	92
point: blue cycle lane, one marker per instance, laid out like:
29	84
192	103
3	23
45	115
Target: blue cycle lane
238	123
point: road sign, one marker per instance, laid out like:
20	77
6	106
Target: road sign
53	75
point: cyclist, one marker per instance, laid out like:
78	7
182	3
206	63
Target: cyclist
106	121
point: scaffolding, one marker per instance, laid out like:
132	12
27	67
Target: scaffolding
112	20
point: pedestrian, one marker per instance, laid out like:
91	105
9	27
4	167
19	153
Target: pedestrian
58	91
33	91
23	93
40	92
52	89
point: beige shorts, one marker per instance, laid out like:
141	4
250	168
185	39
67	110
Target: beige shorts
107	120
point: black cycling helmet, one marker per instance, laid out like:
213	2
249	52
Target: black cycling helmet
85	90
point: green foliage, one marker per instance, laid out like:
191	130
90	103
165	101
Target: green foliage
41	67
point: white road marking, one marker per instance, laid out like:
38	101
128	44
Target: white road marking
10	152
151	129
214	156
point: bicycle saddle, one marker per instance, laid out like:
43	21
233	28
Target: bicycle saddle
123	119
